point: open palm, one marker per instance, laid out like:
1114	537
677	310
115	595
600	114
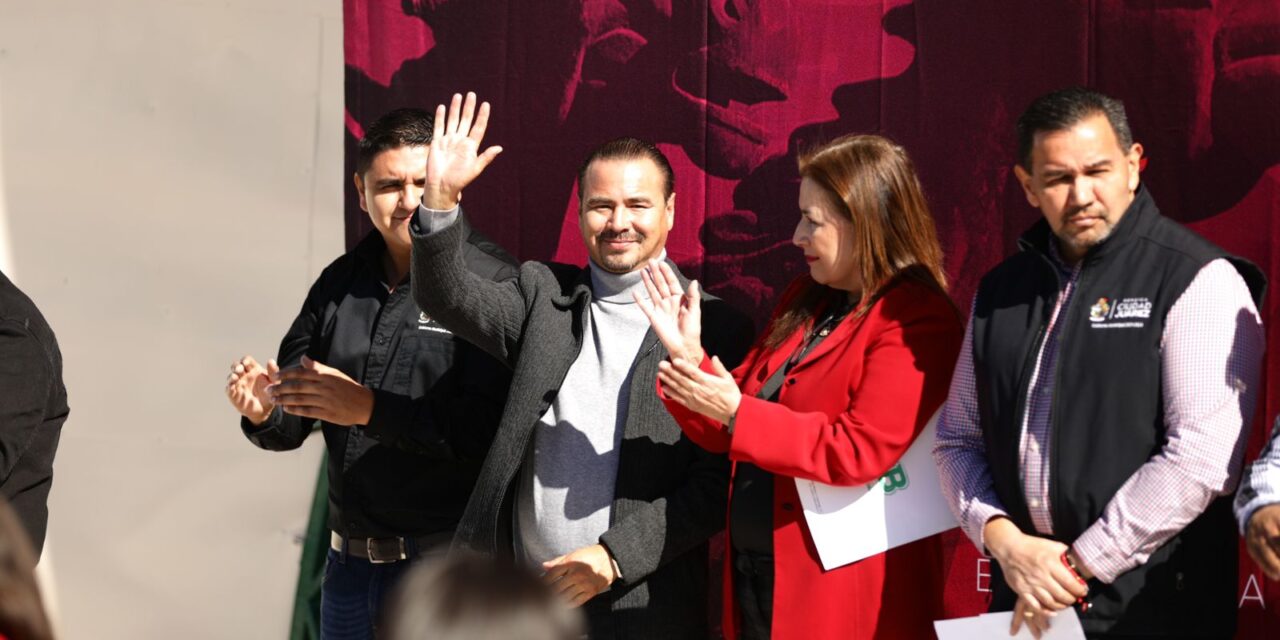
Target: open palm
676	315
454	159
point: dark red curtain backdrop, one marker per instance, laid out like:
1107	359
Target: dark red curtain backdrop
730	89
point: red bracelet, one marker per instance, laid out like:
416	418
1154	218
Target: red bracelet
1071	566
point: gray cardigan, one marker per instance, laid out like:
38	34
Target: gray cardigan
670	495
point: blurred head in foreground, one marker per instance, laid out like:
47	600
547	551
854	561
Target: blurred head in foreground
475	598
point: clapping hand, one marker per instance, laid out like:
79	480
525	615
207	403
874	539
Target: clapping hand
453	159
676	316
315	390
247	388
715	395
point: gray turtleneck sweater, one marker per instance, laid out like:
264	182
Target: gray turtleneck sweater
565	497
566	489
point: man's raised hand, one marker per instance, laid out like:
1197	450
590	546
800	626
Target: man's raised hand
453	160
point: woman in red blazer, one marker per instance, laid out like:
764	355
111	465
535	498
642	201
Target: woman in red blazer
863	348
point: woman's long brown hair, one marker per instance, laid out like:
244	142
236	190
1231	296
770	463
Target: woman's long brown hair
894	236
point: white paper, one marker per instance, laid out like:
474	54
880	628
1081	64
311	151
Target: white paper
852	523
989	626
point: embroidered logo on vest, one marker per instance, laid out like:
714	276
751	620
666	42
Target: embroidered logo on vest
1125	313
1099	311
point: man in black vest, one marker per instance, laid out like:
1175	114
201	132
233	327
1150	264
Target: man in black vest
1100	407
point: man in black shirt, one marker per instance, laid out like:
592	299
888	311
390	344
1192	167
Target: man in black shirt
407	410
33	406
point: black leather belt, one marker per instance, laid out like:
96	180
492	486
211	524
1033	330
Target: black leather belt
395	549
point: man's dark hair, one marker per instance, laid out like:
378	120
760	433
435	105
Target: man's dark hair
1063	109
630	149
407	127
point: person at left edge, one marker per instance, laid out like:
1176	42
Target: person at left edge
407	410
33	408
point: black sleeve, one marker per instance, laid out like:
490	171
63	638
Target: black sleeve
33	407
665	529
283	431
26	381
457	417
483	312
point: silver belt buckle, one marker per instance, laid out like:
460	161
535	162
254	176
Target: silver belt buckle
376	548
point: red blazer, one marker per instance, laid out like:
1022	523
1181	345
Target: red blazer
844	416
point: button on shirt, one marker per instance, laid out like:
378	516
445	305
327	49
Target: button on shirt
1209	374
437	399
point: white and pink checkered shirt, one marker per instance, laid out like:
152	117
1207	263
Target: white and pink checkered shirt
1209	367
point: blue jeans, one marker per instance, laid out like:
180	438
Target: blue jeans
352	594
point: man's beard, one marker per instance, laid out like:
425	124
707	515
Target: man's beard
620	263
1084	244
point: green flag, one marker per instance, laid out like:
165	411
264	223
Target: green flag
315	548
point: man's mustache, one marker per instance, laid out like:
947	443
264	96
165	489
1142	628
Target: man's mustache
1089	211
631	236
